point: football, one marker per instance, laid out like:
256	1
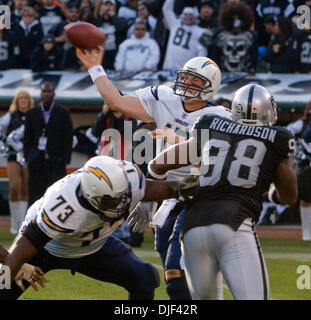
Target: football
84	35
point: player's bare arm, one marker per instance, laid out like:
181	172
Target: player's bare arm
126	104
160	190
286	183
174	157
3	253
20	252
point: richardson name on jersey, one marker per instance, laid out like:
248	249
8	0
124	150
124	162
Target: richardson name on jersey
262	132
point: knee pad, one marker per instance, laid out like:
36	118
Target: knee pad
177	289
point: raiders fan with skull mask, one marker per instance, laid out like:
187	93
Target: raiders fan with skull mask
235	48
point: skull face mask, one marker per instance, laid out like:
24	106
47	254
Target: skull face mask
235	51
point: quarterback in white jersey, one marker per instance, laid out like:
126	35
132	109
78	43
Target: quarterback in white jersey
167	109
196	83
70	226
184	39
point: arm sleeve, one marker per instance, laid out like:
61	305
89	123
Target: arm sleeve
169	14
35	235
148	98
285	143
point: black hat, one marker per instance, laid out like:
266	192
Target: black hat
270	19
72	4
48	38
208	3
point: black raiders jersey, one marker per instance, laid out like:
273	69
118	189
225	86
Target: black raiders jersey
238	164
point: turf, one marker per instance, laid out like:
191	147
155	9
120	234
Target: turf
283	257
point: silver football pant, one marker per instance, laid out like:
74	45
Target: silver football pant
237	254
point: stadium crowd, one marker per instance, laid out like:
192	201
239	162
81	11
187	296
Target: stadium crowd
241	36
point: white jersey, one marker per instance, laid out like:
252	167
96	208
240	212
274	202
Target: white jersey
75	230
167	109
183	43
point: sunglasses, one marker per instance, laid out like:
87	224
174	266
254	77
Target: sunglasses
140	29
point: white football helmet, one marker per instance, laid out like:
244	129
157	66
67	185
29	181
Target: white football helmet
105	186
253	104
203	68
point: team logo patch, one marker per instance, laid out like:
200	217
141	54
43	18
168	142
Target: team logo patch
238	108
208	62
184	116
100	174
154	91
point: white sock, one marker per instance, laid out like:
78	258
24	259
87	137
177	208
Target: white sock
305	215
23	206
14	212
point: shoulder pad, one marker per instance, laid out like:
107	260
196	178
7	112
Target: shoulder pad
205	121
284	143
161	92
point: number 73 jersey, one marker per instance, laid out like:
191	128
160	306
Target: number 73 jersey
239	161
74	229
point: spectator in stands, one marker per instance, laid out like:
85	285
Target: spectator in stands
47	56
207	17
279	53
86	11
70	61
128	11
302	51
114	27
269	24
144	15
17	171
25	36
276	8
139	53
49	15
235	47
87	15
184	38
47	143
160	33
16	15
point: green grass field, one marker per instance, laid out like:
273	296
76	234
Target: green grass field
282	257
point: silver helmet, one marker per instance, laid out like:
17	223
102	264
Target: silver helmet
255	105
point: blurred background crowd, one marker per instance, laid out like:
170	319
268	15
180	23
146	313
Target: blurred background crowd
241	36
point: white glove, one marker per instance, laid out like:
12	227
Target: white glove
26	272
140	216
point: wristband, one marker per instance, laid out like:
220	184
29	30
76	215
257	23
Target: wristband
96	72
272	196
155	175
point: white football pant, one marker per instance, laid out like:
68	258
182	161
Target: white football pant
237	254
